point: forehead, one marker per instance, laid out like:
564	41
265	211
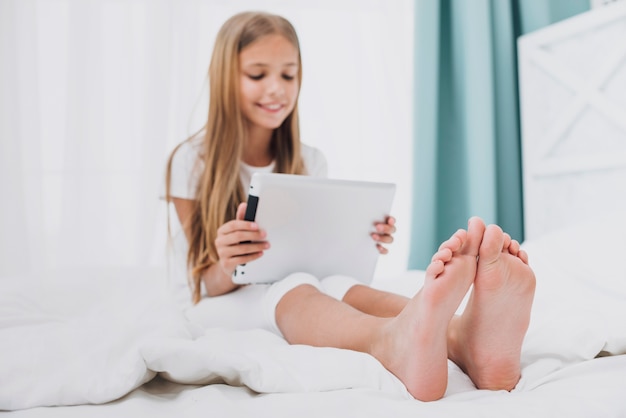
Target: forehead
269	50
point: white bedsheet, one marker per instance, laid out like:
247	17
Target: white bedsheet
589	389
85	337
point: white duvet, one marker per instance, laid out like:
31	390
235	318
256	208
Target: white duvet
85	336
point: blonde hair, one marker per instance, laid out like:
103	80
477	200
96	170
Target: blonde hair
219	190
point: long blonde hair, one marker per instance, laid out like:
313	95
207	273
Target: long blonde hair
219	190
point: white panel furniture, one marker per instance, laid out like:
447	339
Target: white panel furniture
573	114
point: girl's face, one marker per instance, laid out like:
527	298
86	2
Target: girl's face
269	81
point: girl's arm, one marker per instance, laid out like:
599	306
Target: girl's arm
237	242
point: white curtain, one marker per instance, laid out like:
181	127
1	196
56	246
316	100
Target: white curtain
95	93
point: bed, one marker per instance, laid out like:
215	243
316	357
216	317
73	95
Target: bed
117	346
109	341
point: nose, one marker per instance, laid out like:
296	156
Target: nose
275	87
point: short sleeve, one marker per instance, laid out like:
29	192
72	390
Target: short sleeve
186	170
315	161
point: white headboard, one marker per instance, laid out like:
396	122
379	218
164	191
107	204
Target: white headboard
573	108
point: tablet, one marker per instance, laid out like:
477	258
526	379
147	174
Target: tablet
315	225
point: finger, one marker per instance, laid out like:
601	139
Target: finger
382	249
241	211
386	239
239	236
237	225
230	264
385	229
239	251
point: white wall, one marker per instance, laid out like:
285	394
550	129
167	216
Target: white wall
95	93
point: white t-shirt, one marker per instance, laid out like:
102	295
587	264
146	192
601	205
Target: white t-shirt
187	168
186	171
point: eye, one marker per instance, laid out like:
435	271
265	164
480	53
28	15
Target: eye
256	77
288	77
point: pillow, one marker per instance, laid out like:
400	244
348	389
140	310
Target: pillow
580	302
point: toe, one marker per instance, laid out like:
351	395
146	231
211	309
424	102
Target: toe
491	245
514	247
455	242
523	256
444	255
507	242
475	232
434	269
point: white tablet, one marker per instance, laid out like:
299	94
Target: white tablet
315	225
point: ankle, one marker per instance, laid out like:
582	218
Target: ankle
455	348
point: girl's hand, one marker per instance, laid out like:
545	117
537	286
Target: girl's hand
383	234
239	242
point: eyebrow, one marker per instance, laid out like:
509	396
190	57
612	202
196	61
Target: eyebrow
259	64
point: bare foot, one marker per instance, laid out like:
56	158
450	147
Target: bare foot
486	340
414	344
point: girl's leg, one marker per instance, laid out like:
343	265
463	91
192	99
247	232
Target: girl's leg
375	302
305	315
412	345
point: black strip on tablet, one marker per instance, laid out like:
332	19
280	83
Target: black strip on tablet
253	202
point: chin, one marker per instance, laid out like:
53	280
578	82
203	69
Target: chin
274	125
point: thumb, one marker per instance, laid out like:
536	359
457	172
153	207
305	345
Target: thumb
241	211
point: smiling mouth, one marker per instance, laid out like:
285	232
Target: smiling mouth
271	107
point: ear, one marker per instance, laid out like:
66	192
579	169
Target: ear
241	211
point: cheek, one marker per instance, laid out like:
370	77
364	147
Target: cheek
293	91
248	89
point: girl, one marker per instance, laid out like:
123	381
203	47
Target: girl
255	75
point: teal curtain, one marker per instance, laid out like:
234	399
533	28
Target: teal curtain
467	154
